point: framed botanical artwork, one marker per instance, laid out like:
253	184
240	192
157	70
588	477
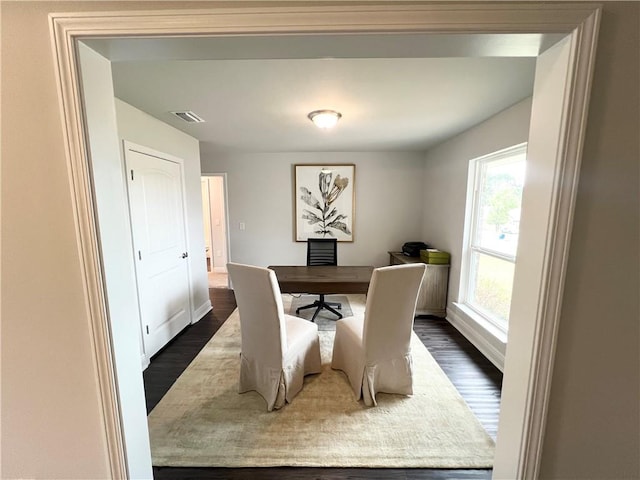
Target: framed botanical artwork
324	201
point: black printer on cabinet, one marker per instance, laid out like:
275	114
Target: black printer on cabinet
412	249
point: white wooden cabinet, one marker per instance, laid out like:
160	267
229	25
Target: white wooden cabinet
432	298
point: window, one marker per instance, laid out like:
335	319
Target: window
494	197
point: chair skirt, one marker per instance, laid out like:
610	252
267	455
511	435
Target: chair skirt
369	376
279	384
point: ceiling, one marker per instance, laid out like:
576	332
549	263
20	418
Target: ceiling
395	92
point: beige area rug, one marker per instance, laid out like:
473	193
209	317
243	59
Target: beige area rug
203	421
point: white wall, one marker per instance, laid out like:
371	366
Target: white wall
388	205
445	182
138	127
593	425
115	234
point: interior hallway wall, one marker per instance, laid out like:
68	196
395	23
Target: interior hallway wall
138	127
109	183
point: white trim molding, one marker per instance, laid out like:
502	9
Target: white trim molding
201	311
577	20
144	361
83	199
196	316
490	343
568	157
472	246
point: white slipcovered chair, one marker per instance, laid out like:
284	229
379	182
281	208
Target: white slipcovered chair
277	349
374	350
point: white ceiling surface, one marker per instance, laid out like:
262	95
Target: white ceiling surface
255	92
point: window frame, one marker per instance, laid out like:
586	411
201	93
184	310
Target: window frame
471	233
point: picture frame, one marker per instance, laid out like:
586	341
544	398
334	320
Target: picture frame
324	200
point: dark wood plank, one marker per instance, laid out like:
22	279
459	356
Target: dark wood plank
477	380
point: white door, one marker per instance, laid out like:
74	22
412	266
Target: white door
159	240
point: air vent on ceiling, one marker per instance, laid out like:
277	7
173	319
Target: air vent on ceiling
189	117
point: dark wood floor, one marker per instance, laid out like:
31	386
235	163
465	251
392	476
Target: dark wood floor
477	380
169	363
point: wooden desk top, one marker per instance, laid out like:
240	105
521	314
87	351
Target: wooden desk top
323	279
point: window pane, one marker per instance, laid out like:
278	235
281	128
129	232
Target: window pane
491	283
500	198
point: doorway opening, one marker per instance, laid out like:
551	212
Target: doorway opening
528	375
215	229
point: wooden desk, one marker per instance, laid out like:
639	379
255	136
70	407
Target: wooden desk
323	279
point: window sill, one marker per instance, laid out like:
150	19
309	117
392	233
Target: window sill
490	327
487	338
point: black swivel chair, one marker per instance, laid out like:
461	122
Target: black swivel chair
322	251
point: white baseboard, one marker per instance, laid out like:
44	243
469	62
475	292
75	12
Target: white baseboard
201	311
144	360
473	332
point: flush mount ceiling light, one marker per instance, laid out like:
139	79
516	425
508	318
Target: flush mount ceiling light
324	118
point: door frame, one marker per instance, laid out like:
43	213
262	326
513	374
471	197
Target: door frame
522	450
207	212
225	194
129	145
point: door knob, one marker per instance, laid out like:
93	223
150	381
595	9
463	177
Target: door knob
185	255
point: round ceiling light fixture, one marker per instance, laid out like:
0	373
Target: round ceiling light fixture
324	119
